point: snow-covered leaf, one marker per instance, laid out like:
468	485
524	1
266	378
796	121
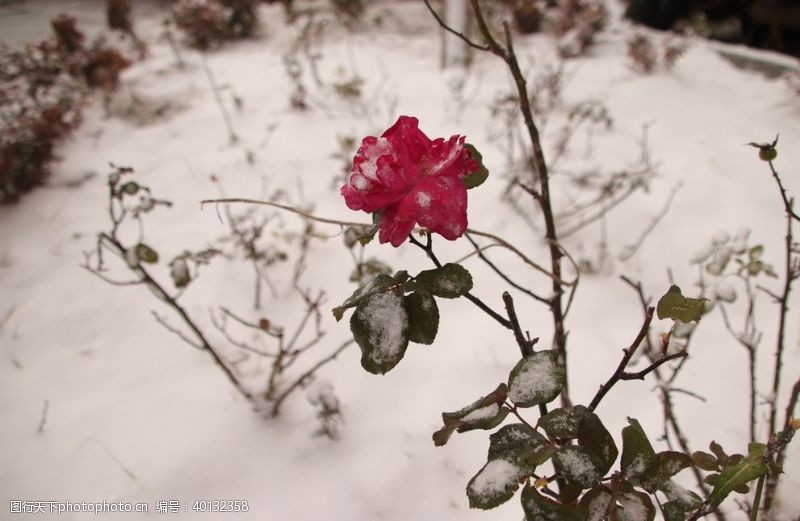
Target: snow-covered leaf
593	435
485	413
597	502
378	285
635	506
578	465
380	328
662	467
520	444
536	379
494	484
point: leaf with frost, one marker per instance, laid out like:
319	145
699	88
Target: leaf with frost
593	435
521	445
635	506
539	508
379	284
449	281
536	379
678	495
674	511
494	484
662	467
578	465
563	422
597	503
637	452
485	413
380	328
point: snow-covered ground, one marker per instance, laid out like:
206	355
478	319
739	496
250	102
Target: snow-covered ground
133	414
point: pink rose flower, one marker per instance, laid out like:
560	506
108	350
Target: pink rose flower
413	180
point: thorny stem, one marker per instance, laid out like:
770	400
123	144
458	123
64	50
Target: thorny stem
790	275
540	170
621	374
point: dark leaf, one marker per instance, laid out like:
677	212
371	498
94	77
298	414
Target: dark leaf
146	254
705	461
179	271
380	328
479	176
662	467
521	445
593	435
637	453
494	484
539	508
563	422
423	316
742	489
129	188
486	413
674	511
536	379
675	493
378	285
578	465
449	281
718	451
635	506
597	502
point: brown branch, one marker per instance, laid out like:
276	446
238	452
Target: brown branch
453	31
626	358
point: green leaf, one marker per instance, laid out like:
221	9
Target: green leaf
521	445
635	506
423	316
705	461
146	254
637	452
674	511
449	281
578	465
597	502
751	467
563	422
380	328
536	379
675	306
480	175
494	484
539	508
378	285
484	413
593	435
662	467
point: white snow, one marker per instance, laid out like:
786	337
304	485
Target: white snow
494	478
388	321
537	377
483	413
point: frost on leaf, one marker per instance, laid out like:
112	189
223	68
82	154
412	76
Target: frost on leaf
536	379
380	328
485	413
662	467
564	421
635	506
637	452
539	508
597	502
449	281
377	285
578	465
521	445
494	484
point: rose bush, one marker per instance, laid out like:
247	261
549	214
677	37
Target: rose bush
412	180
